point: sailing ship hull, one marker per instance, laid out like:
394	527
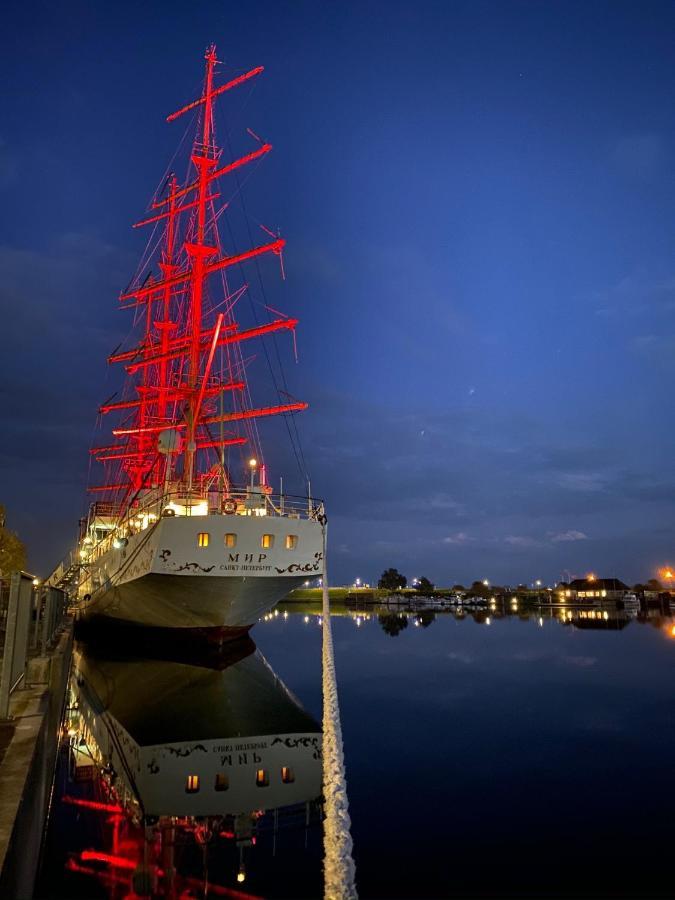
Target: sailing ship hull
179	573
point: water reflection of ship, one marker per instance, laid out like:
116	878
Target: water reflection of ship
183	748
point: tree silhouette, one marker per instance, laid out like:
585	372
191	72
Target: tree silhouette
392	580
12	550
424	586
392	624
426	617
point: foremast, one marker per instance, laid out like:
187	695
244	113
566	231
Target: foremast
173	390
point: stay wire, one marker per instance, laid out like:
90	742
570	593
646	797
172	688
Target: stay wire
293	432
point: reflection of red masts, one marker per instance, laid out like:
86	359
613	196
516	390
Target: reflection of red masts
114	809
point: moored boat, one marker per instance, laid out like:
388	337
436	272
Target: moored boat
187	532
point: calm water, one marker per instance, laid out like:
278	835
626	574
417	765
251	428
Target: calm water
487	756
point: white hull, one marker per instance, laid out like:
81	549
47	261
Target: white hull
164	578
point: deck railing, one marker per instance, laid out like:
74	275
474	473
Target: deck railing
146	511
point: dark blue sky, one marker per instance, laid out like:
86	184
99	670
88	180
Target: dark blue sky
479	204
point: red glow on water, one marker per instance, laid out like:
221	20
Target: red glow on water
93	804
117	862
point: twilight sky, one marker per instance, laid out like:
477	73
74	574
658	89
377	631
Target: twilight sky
479	204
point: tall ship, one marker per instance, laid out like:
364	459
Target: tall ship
185	530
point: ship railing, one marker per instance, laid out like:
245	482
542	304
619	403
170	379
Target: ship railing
249	501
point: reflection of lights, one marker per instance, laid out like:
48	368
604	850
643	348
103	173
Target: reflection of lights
541	622
285	614
488	620
605	615
276	612
306	619
672	631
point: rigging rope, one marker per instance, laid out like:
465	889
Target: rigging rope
292	428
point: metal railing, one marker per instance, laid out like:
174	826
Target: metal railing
250	501
32	617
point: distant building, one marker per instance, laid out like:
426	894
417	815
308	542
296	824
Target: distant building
593	589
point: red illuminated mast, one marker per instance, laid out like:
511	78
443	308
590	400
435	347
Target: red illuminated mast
186	372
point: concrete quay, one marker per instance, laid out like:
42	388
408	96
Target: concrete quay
29	740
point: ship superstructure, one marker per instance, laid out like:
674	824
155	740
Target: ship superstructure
185	530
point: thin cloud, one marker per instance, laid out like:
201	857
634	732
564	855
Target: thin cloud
570	535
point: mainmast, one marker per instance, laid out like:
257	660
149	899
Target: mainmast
169	372
204	159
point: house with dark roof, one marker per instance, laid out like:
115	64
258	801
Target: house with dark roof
592	588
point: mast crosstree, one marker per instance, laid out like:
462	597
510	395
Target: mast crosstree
188	363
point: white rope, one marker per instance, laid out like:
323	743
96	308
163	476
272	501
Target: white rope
338	863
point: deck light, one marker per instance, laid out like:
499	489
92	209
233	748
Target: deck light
253	462
36	582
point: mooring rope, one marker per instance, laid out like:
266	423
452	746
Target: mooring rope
338	863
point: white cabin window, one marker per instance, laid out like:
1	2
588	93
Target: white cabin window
192	784
230	540
267	541
291	541
203	539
